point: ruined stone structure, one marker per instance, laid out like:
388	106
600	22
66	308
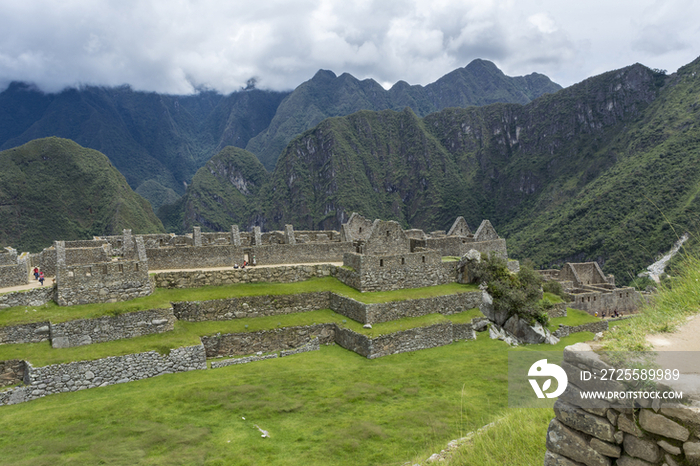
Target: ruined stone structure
100	282
607	431
592	291
14	270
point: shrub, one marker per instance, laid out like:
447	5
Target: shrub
554	287
517	294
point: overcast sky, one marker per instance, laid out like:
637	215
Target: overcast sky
176	46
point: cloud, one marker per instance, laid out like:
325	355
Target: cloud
178	46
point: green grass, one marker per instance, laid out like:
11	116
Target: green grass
188	333
161	298
552	298
326	407
670	308
519	433
573	318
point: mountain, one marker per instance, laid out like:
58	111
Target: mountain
53	189
327	95
157	141
225	188
604	170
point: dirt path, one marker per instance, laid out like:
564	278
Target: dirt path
681	350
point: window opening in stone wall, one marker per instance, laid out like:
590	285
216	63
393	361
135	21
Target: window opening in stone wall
381	262
387	233
403	261
104	270
360	229
423	258
89	272
121	267
137	267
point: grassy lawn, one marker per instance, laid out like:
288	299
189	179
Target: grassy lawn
188	333
161	298
325	407
573	318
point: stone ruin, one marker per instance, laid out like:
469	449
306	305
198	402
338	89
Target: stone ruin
590	290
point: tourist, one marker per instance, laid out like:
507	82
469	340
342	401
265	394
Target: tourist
36	273
254	261
603	314
235	266
41	278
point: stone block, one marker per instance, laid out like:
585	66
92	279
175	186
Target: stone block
553	459
692	452
627	424
658	424
672	449
641	448
573	445
583	421
605	448
628	461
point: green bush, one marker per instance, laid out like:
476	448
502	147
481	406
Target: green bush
518	294
554	287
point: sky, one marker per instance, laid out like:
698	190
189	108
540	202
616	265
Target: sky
182	46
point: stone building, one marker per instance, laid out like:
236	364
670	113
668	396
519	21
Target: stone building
592	291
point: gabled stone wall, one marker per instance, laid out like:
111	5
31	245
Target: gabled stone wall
395	272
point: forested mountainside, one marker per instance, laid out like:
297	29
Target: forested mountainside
603	170
327	95
159	141
53	189
156	141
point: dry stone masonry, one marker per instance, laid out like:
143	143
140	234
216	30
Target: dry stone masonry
607	433
59	378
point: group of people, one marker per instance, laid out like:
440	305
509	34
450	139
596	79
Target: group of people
614	314
245	263
38	275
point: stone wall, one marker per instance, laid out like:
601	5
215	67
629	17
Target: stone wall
46	261
11	372
283	274
59	378
101	329
266	341
299	253
34	297
400	342
35	332
385	312
623	299
593	327
608	433
82	256
100	283
396	272
250	306
167	258
14	270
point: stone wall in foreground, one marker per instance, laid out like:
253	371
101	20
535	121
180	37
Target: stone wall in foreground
59	378
607	434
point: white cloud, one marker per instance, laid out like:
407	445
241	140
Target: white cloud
176	45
